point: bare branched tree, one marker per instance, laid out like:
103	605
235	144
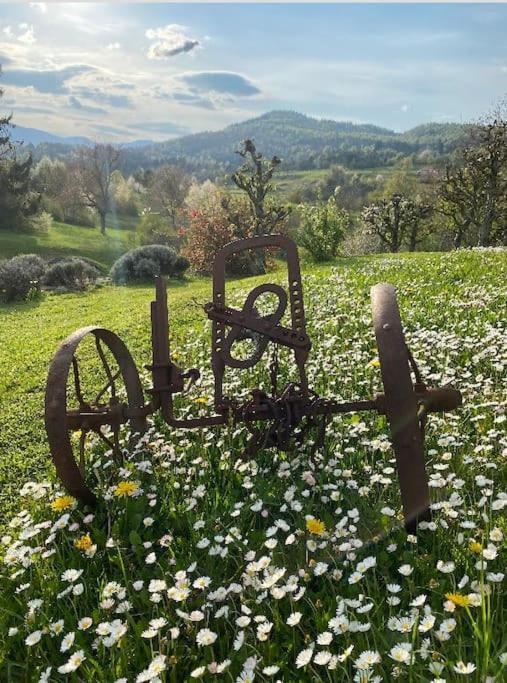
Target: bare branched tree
167	190
254	177
473	192
94	169
459	201
396	221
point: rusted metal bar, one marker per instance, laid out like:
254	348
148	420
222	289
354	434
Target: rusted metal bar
401	405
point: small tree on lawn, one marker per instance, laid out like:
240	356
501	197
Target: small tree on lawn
396	221
94	170
459	202
214	220
487	158
322	229
418	226
168	186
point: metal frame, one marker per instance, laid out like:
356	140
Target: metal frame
404	402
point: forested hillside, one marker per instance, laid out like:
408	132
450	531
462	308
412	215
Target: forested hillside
303	143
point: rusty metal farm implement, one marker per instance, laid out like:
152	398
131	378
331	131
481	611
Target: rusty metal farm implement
276	418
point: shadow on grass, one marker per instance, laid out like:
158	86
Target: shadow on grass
15	307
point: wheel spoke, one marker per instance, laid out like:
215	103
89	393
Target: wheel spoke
82	465
110	383
116	441
107	369
114	445
414	366
105	439
77	381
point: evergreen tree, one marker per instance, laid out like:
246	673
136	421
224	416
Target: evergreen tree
5	132
18	202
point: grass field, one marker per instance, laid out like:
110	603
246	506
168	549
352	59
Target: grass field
69	240
287	182
290	181
347	597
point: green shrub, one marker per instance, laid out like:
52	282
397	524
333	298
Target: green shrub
144	263
41	223
20	277
154	229
33	265
71	274
79	215
322	229
102	270
146	269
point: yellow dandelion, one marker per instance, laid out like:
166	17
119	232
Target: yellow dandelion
83	542
476	547
458	599
62	503
315	526
375	363
201	399
126	488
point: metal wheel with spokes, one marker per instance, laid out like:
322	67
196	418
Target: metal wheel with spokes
401	405
78	406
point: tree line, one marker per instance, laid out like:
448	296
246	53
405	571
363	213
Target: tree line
428	204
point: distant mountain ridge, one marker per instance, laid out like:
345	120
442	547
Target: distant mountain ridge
35	136
301	141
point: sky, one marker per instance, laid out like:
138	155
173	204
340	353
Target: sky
120	72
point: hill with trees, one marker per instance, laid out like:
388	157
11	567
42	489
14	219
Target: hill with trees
301	141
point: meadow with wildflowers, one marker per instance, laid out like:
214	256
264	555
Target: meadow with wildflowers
200	564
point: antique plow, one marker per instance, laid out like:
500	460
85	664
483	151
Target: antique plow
277	418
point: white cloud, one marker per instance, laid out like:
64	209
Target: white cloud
28	37
41	6
113	46
170	40
404	107
24	34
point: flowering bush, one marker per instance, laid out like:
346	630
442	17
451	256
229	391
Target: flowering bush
201	565
212	224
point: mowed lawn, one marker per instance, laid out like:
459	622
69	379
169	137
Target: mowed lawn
70	240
